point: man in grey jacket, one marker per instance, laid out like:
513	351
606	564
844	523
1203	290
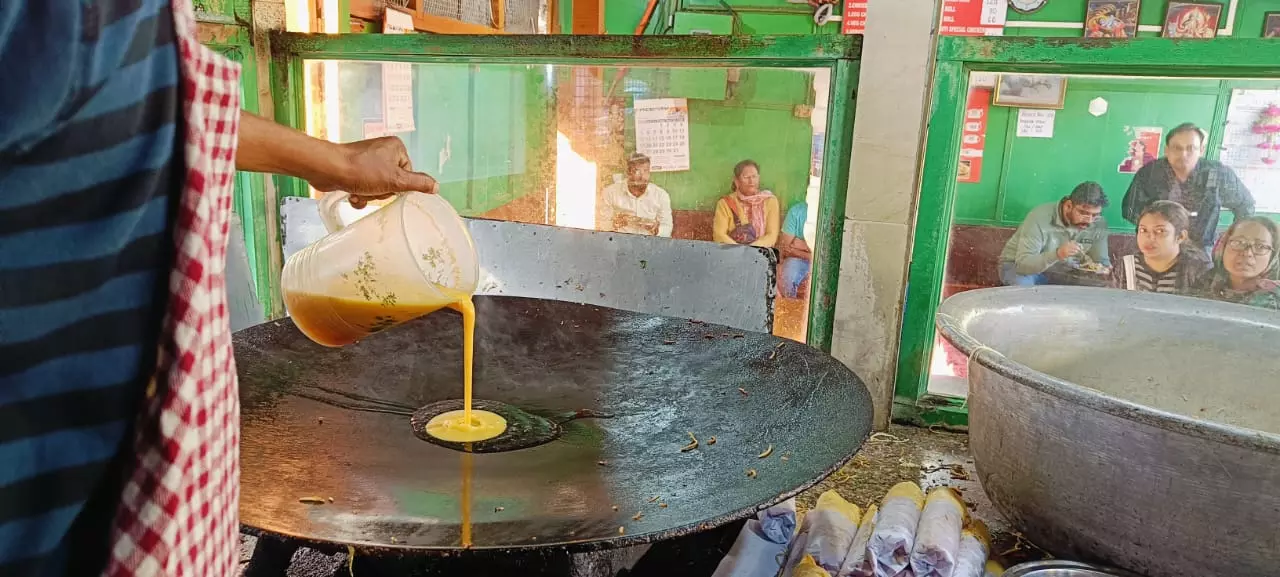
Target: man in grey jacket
1070	231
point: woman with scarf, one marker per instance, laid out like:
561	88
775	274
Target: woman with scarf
1246	266
748	215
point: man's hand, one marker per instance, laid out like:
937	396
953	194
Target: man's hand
376	168
1068	250
368	169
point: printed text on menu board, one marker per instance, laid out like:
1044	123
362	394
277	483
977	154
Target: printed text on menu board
662	133
854	18
973	17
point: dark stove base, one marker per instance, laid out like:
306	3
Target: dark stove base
695	555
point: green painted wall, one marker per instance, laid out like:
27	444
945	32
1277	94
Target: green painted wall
1249	17
1019	174
757	121
492	119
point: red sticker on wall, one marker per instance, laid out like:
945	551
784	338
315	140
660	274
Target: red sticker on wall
973	17
973	135
854	19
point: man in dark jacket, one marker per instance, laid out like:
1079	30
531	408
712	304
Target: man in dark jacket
1204	187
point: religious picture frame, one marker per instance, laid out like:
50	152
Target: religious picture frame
1030	91
1271	25
1111	19
1192	20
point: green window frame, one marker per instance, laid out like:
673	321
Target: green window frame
957	57
839	54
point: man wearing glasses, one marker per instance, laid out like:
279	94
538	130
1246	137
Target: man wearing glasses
1204	187
1069	233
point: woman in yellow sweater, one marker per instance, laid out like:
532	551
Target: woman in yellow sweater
749	215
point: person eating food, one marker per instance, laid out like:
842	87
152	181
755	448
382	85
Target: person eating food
1070	232
1246	267
1167	262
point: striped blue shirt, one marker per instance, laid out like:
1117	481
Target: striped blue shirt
90	166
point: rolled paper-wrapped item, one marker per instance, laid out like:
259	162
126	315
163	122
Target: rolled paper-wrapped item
833	500
975	545
938	535
895	531
856	562
762	543
809	568
994	569
826	534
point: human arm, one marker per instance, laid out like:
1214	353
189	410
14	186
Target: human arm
665	223
1100	252
1135	199
1033	255
772	225
1234	195
368	169
722	223
793	246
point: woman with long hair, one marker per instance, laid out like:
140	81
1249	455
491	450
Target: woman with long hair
749	215
1246	265
1167	262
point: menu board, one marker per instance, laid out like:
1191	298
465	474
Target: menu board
662	132
973	17
854	18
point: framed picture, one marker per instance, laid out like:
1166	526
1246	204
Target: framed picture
1111	19
1030	91
1192	20
1271	25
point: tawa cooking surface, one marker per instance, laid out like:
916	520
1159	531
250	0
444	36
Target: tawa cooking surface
322	422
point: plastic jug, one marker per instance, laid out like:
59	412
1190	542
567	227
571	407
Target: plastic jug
409	258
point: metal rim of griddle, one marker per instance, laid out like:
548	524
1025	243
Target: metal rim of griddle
1252	439
621	541
595	542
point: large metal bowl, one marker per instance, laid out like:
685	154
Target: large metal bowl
1138	430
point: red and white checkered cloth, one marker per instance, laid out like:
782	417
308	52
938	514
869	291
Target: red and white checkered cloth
178	515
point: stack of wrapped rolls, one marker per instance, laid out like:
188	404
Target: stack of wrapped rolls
909	534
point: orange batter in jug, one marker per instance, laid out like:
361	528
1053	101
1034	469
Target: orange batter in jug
410	258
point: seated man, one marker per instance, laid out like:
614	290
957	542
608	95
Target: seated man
793	269
1069	232
637	206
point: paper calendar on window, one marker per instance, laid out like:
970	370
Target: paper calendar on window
1240	149
662	133
397	79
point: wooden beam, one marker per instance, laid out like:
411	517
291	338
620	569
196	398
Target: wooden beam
366	10
588	16
499	14
442	25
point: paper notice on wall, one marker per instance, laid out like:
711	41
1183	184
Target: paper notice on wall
397	78
374	128
397	96
854	18
1248	153
662	132
397	22
1034	123
973	17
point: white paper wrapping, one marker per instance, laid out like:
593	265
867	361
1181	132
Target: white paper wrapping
938	535
856	562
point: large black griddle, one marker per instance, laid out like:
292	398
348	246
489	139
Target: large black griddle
624	390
